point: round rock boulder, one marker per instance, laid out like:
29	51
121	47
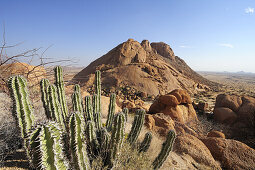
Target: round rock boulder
176	104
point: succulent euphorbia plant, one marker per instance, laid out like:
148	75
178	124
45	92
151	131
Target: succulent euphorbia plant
73	141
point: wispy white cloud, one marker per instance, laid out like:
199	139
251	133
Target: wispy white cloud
185	46
249	10
226	45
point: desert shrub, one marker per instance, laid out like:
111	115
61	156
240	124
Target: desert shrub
10	140
128	159
9	136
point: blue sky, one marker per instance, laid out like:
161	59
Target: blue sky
210	35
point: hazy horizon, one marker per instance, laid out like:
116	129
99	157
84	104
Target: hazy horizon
209	36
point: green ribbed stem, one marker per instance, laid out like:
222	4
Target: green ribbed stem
97	120
98	90
61	90
111	112
22	108
46	148
96	114
77	145
77	102
88	109
136	126
165	150
54	106
77	89
95	103
44	83
117	134
104	141
125	111
144	146
91	138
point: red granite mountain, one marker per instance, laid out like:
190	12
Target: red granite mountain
149	68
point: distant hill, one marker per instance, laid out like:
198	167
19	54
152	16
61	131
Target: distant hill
151	68
239	73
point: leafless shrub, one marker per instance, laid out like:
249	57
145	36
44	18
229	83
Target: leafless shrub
9	139
9	134
35	56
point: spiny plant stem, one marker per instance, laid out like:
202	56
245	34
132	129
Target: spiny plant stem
78	148
60	90
144	146
136	126
111	112
88	109
125	111
92	143
165	150
54	106
98	90
44	83
22	108
46	148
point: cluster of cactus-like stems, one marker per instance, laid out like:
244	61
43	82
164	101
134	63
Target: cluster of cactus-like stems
73	141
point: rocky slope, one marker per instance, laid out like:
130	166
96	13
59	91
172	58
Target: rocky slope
150	68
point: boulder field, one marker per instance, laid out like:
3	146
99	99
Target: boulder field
211	151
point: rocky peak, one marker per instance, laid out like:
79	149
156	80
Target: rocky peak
163	49
131	51
132	64
146	45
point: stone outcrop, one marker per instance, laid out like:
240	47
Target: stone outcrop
182	129
159	123
201	106
146	45
231	108
224	115
217	134
176	104
231	153
246	112
231	102
164	50
192	146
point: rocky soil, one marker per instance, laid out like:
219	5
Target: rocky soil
208	149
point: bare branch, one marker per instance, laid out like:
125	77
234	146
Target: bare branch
4	43
27	54
43	64
29	57
11	46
